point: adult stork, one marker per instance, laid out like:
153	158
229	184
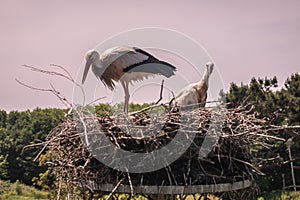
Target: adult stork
125	64
196	93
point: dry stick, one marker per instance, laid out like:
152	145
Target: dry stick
145	109
293	133
85	129
292	186
293	160
39	144
267	136
289	144
246	163
98	99
283	181
285	127
47	72
66	71
161	91
141	182
59	188
130	184
157	105
172	174
53	91
35	159
188	172
53	73
60	96
115	188
34	145
169	177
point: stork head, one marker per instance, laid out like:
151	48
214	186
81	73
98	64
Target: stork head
91	57
209	67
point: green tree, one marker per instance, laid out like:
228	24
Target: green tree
5	146
3	167
277	107
260	93
3	117
22	129
291	99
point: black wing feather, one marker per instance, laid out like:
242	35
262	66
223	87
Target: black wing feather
151	65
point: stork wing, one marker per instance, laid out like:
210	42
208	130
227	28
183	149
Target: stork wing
151	65
122	57
132	59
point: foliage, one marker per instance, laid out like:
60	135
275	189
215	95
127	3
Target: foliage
280	195
104	109
17	130
135	107
3	167
17	190
279	107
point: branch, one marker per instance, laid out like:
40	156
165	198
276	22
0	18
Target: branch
115	188
66	71
161	91
52	90
54	73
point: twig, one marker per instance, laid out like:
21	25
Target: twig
53	73
98	99
52	90
115	188
66	71
130	184
145	109
289	144
59	188
169	176
284	127
161	91
267	136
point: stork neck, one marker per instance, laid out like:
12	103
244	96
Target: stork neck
205	76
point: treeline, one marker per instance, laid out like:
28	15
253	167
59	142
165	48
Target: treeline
23	129
278	106
19	129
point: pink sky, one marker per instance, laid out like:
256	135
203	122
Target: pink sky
245	39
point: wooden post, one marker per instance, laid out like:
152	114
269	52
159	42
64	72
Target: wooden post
283	181
289	144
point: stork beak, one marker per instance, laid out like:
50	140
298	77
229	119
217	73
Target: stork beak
86	70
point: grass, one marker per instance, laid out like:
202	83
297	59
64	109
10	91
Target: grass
17	190
280	195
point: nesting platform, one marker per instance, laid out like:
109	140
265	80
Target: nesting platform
227	167
174	189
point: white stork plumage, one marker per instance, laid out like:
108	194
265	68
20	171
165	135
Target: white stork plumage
196	93
125	64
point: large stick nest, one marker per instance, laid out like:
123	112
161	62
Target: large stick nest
229	161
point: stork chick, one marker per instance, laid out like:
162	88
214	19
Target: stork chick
195	93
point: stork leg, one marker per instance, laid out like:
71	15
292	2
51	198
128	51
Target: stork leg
127	96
